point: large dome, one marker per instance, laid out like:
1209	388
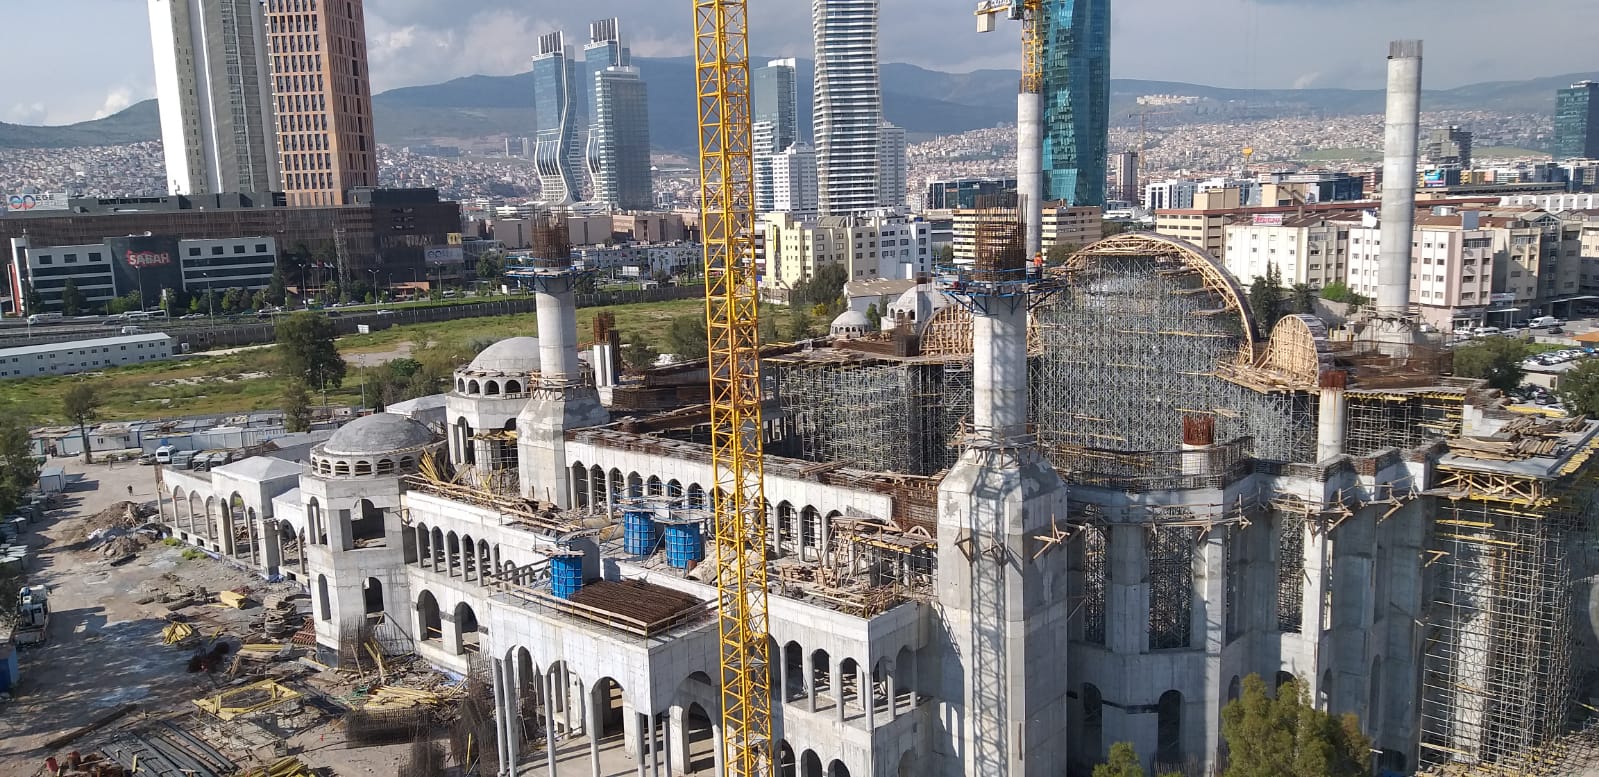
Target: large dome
511	355
378	433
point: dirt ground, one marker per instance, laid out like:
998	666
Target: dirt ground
104	648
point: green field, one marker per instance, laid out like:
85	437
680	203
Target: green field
1341	155
242	381
1506	152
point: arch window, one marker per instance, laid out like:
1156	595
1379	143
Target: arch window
1169	729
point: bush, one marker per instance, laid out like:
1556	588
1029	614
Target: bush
172	542
192	554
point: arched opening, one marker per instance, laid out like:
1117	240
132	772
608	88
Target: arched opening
580	485
837	769
407	463
810	530
1324	693
821	673
608	702
696	497
849	683
179	502
463	453
618	486
238	525
1373	716
385	466
472	387
485	565
700	742
440	557
785	527
429	625
674	489
366	526
810	765
197	522
324	607
1093	723
652	487
491	388
468	558
635	485
1169	731
1234	689
1284	678
341	468
460	385
452	549
513	387
786	765
466	624
372	595
794	670
363	468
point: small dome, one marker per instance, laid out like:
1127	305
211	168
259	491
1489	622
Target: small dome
850	323
513	355
376	434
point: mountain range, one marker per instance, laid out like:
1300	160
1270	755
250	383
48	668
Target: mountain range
925	102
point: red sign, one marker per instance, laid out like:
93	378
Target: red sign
139	260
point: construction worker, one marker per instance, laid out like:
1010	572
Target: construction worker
1038	268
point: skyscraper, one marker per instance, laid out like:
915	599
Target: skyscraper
1076	100
1448	147
891	165
323	99
848	104
794	180
556	105
619	129
211	76
1577	121
776	124
1126	172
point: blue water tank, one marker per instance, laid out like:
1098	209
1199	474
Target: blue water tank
566	574
639	532
684	544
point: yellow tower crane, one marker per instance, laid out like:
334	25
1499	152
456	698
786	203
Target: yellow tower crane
1031	14
727	202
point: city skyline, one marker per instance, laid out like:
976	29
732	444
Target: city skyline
414	42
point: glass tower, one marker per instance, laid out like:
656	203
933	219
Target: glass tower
1076	100
619	129
1577	121
848	104
556	105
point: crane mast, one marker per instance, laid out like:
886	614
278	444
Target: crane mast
727	202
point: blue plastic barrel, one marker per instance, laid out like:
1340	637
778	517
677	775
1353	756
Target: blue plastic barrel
566	574
684	545
639	533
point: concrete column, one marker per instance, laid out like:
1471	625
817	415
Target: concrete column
716	750
566	701
630	735
836	681
810	682
641	728
654	739
592	725
999	368
782	675
676	741
513	717
1330	412
1030	168
273	552
868	694
557	316
500	715
823	526
1126	593
893	694
550	681
1399	176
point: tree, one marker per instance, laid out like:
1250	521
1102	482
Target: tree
638	354
81	406
825	287
71	298
1497	359
767	325
233	300
306	351
133	300
1579	388
799	324
687	337
661	277
1338	291
296	407
277	290
874	317
31	298
18	469
944	254
1286	736
1109	228
1266	298
1302	299
490	266
1058	254
1123	762
259	300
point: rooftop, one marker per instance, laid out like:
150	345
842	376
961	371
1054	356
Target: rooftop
98	342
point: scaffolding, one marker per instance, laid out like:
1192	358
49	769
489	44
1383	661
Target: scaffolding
1095	576
1498	675
1171	586
1379	420
1290	570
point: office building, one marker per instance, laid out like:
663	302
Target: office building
1285	189
848	105
1448	147
968	193
1170	194
794	185
618	158
1076	100
1068	226
1125	168
1577	121
775	125
892	167
323	100
557	109
149	264
213	83
1310	249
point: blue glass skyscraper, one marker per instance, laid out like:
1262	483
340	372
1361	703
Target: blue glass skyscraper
557	108
1076	100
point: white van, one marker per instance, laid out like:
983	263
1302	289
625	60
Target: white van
44	318
1544	322
1484	331
163	454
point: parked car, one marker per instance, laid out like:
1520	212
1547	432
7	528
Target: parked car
385	312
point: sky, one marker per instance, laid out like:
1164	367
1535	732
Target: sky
1256	44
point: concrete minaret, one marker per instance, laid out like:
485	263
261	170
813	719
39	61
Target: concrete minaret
1001	591
562	400
1399	178
1030	168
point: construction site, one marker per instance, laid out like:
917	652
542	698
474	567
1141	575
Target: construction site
1039	512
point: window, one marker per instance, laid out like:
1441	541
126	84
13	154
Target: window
238	249
194	251
216	250
260	248
94	256
45	260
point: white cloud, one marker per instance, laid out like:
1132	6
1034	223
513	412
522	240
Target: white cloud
115	101
27	113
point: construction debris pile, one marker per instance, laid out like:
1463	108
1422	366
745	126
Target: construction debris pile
1521	438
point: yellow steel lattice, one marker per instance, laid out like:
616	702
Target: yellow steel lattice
722	79
1032	46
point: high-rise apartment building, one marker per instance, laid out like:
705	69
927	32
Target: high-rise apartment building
1125	169
1076	100
892	166
1448	147
215	92
557	103
1577	121
794	185
848	104
323	99
619	132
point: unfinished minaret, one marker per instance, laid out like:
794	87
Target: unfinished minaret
1002	589
563	399
1399	190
